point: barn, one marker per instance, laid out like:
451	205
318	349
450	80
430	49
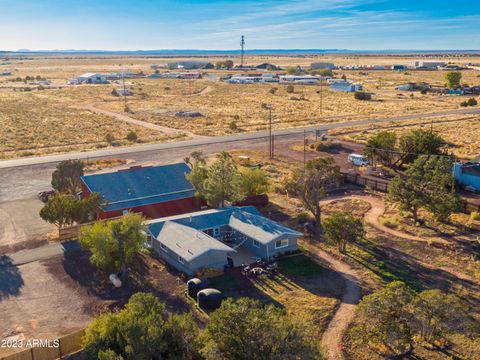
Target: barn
153	191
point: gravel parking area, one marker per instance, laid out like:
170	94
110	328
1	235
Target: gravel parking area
21	226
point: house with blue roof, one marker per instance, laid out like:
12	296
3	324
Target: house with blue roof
153	191
468	174
209	239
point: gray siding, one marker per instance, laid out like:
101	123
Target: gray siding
172	258
212	259
292	246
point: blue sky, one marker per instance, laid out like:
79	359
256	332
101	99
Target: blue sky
218	24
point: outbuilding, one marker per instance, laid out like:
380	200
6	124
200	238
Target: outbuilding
153	191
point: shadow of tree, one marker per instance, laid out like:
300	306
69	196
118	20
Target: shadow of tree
11	280
391	264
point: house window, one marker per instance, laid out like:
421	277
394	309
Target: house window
216	231
163	247
256	243
181	260
281	243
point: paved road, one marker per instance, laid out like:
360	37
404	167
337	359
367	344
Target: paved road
218	140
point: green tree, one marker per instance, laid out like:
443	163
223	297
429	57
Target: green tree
381	147
62	209
223	181
83	208
248	330
113	243
228	64
312	184
426	185
253	181
453	79
143	330
419	142
59	210
436	315
199	173
341	228
66	177
132	136
384	318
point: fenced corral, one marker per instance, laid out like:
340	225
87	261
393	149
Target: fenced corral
382	186
374	184
66	345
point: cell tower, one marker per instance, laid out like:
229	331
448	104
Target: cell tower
242	53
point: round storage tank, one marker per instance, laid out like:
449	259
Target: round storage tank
194	286
209	299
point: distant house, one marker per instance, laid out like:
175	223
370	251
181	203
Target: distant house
267	66
428	64
205	239
322	65
92	78
412	86
154	191
6	73
345	86
189	65
468	174
300	79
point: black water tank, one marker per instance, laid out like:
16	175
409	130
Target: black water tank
194	286
209	299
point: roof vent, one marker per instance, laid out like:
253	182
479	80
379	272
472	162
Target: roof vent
148	178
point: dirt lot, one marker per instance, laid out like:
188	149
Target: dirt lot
21	226
55	297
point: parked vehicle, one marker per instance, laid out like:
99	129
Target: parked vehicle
358	160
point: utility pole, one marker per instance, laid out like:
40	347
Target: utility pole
242	52
321	94
124	91
304	149
270	138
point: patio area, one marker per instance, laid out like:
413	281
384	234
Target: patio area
242	256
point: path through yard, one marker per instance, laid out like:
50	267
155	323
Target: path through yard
332	337
128	119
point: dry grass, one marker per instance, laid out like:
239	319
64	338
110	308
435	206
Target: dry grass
460	131
34	125
157	100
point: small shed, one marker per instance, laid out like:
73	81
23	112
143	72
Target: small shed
209	299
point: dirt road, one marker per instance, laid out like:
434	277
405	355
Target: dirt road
130	120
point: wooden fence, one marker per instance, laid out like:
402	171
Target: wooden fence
67	345
374	184
382	185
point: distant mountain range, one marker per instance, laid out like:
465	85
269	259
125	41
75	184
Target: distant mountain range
193	52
